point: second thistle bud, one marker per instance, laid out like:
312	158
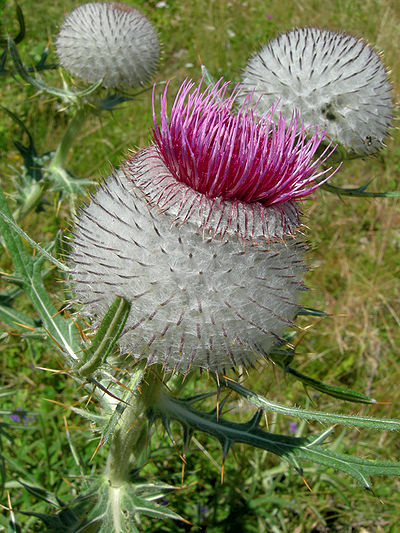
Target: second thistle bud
332	79
112	42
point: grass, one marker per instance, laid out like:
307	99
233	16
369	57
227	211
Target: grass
354	251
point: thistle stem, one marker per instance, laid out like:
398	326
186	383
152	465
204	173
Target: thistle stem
31	201
131	436
70	136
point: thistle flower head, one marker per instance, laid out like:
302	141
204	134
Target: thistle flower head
112	42
198	233
332	79
236	156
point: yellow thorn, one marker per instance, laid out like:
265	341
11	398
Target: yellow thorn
306	484
63	371
57	403
119	369
24	325
97	449
266	420
183	471
131	426
54	340
90	397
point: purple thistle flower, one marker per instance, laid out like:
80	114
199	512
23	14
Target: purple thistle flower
198	233
237	156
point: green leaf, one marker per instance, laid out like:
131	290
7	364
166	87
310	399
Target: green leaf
328	418
16	318
28	272
42	251
208	78
69	518
283	358
309	311
293	449
359	191
124	505
21	22
107	335
65	94
332	390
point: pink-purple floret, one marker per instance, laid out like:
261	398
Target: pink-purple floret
237	156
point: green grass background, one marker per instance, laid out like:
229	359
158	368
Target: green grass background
354	255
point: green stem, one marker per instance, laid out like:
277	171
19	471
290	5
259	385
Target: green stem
31	201
130	437
70	136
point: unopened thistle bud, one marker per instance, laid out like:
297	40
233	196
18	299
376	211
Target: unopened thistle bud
332	79
198	232
112	42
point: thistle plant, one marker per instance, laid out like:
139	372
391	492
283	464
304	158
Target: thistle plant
189	257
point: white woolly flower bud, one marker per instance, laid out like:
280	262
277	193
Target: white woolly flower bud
112	42
197	233
332	79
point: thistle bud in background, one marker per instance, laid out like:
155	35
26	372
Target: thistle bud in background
112	42
199	233
332	79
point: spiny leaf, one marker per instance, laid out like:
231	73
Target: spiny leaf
65	94
305	414
61	330
42	250
16	318
283	358
70	518
293	449
310	311
208	78
21	22
332	390
359	191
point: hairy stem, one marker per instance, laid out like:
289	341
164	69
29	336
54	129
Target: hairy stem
70	136
130	437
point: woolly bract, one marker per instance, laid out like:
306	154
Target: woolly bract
332	79
112	42
189	234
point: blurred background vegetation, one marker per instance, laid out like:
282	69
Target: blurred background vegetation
354	247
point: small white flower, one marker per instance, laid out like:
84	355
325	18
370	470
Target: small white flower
109	41
332	79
